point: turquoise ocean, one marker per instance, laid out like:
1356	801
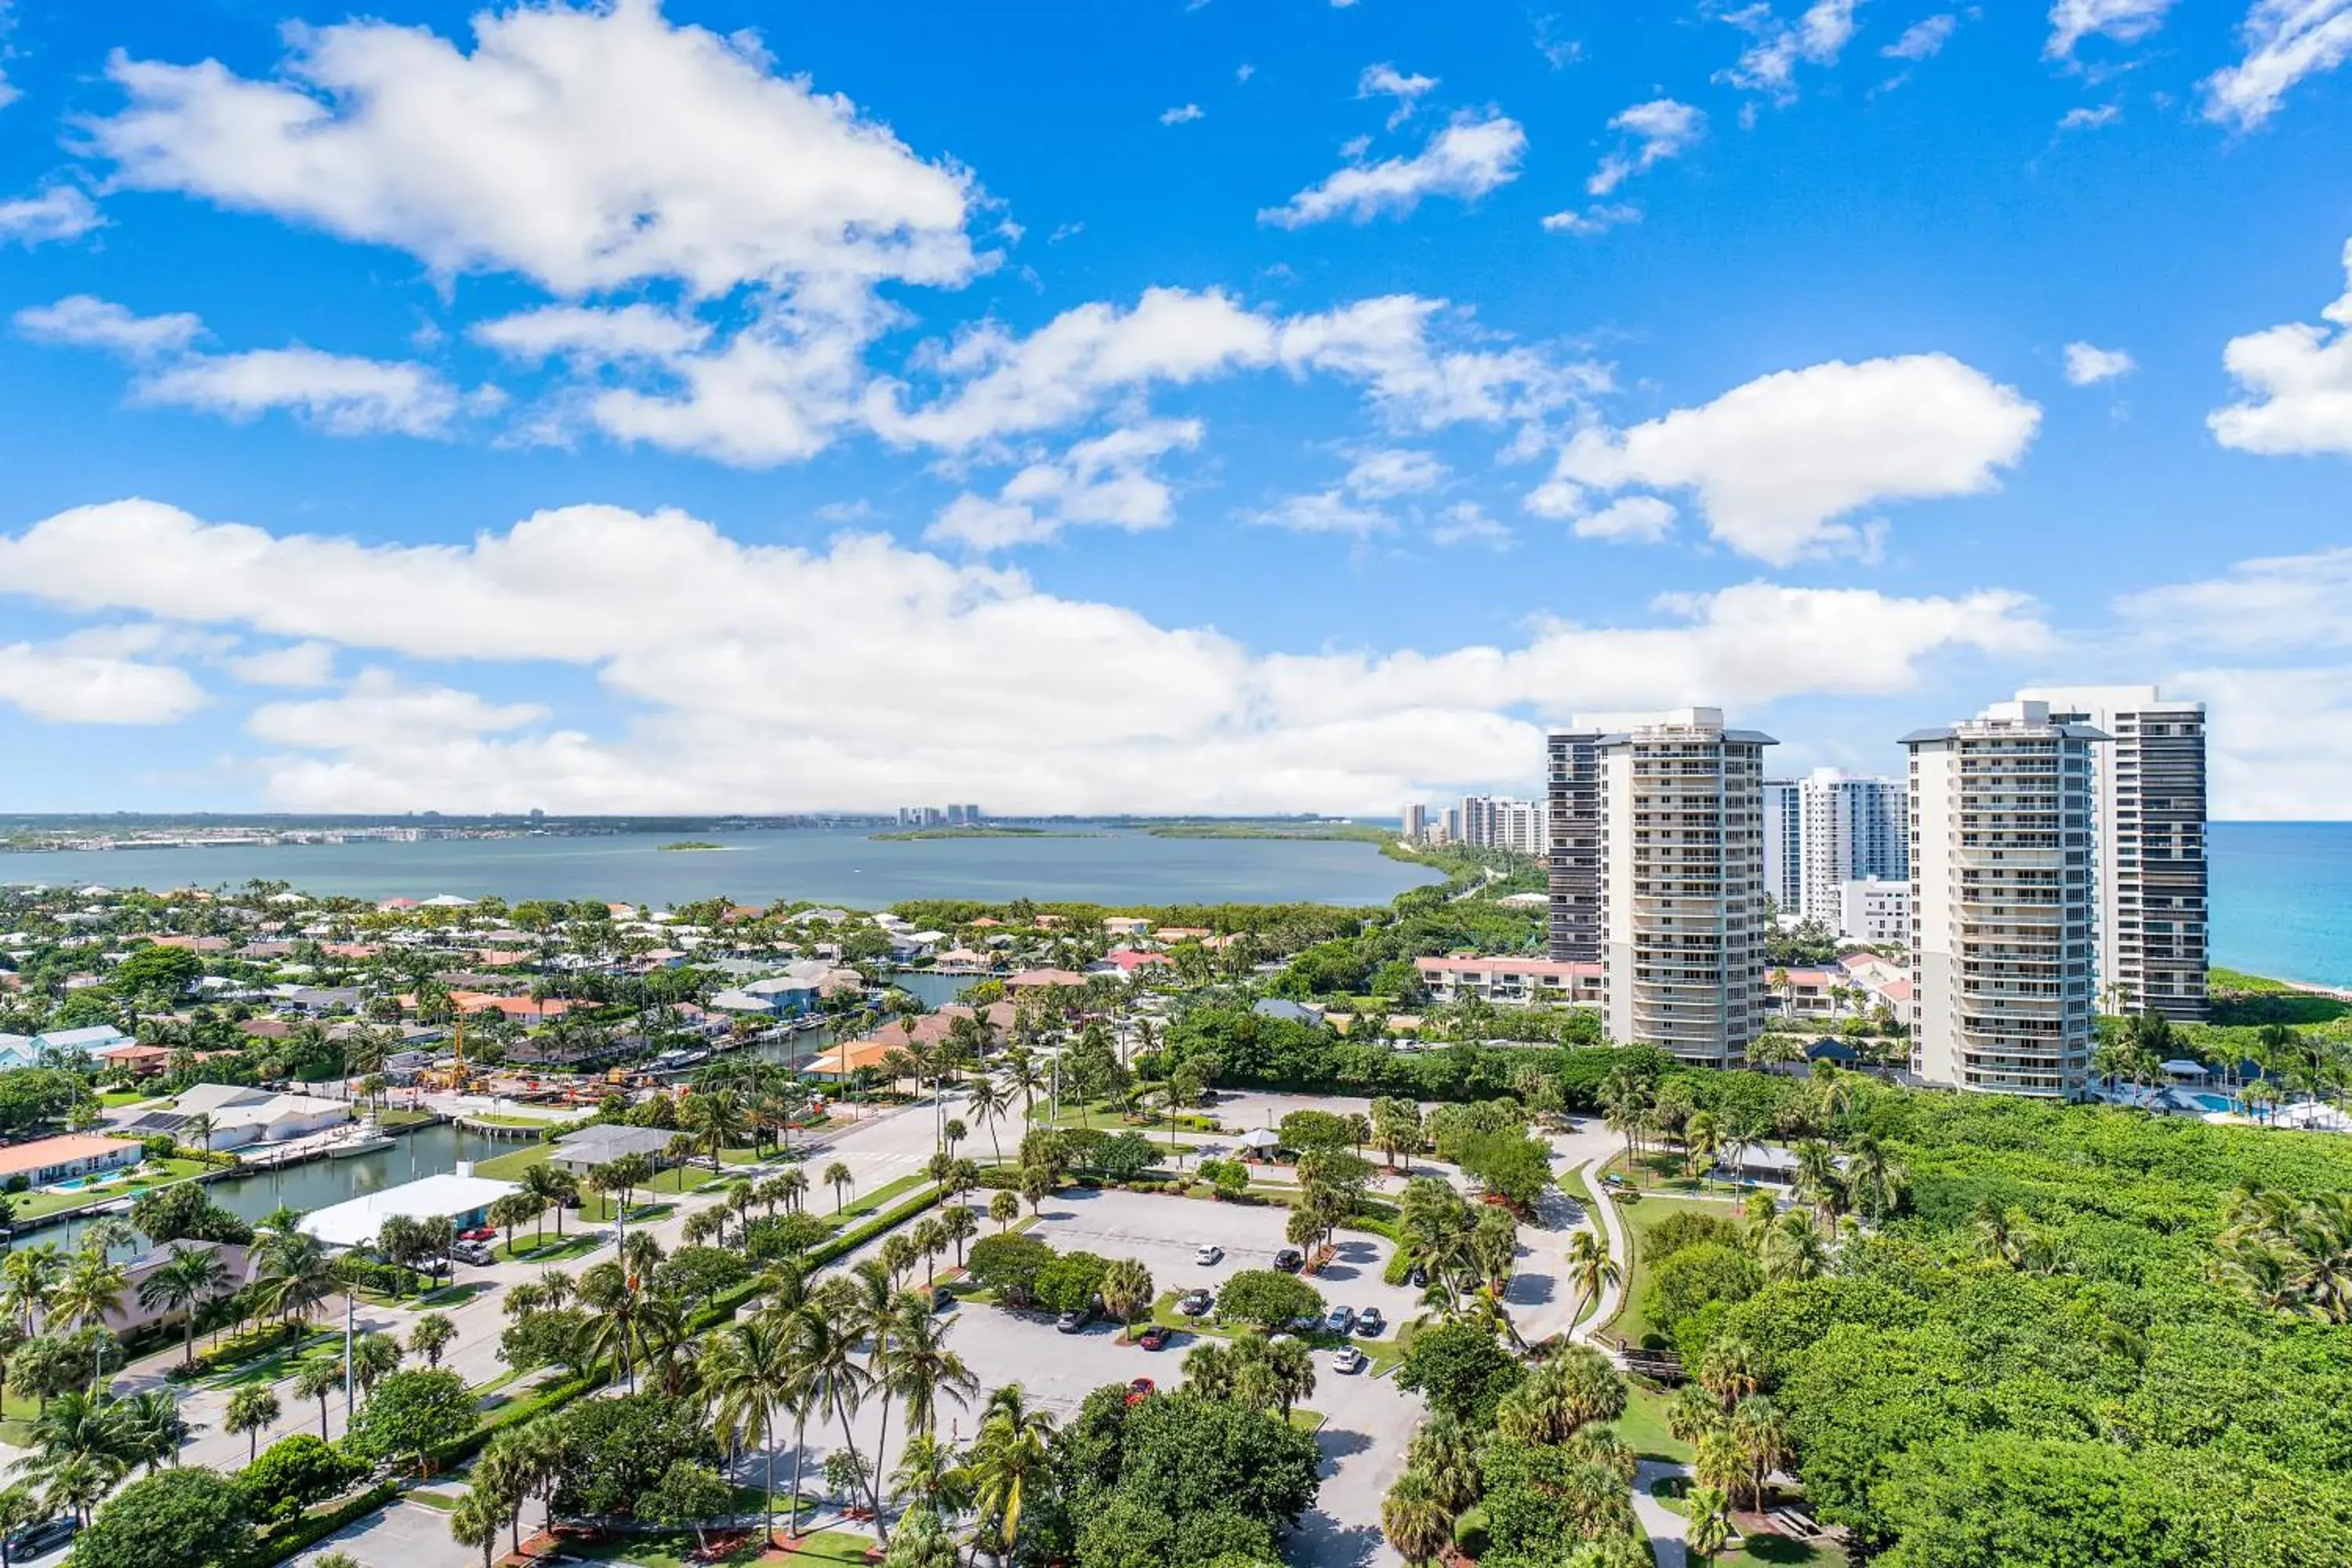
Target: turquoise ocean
2282	894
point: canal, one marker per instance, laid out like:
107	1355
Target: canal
429	1151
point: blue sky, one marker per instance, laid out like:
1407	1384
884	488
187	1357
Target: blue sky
1227	407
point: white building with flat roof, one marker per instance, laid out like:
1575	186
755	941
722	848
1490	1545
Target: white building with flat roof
2001	901
1874	910
458	1196
1783	804
2149	810
1682	890
1853	829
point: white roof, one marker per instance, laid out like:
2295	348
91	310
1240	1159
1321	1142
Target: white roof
448	901
445	1196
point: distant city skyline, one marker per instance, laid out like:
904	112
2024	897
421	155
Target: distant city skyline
1201	408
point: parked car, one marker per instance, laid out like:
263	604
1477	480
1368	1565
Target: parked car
942	1299
1153	1338
1208	1254
1347	1359
1077	1318
1141	1389
1194	1303
1341	1321
472	1252
33	1539
1290	1260
1417	1277
1305	1323
479	1233
1371	1324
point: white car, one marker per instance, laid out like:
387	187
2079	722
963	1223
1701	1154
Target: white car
1347	1359
1208	1253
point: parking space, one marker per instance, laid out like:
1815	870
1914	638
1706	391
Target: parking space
405	1535
1162	1232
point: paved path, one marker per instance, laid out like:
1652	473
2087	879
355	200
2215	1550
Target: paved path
1668	1530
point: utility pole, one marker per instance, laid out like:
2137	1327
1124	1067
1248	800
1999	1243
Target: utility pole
348	1359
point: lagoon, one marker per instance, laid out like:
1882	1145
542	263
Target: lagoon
837	866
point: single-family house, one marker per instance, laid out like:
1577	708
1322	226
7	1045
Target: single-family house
46	1160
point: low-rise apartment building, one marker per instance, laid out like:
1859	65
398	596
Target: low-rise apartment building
1511	981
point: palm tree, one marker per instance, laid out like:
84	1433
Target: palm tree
829	1378
749	1374
318	1379
921	1368
1819	1182
1793	1247
837	1177
77	1484
92	1288
987	1099
1591	1267
553	1188
1396	1127
619	1320
152	1428
476	1522
865	1303
1760	1432
189	1277
959	1224
716	1119
29	1281
250	1409
1710	1523
1414	1519
1009	1454
297	1274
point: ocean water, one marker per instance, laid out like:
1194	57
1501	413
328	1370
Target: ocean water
842	867
2282	894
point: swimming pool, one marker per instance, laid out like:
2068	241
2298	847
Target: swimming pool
2221	1102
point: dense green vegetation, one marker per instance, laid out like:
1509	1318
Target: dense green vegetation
2071	1335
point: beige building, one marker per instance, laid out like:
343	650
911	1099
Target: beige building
2149	819
2001	901
1682	886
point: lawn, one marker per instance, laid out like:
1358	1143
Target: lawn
509	1167
116	1099
1643	1426
865	1204
529	1249
501	1119
148	1174
1639	1215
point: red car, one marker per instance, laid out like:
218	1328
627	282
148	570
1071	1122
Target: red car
1153	1338
479	1233
1141	1389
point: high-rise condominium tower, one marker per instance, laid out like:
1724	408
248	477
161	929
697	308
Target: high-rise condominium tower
2002	902
2149	806
1573	802
1784	844
1855	830
1683	884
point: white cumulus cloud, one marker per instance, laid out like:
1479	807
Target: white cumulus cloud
1769	65
2296	384
1106	480
2286	41
1470	157
67	685
1182	114
84	320
1922	39
341	394
1778	464
2088	364
1656	130
730	653
60	212
1384	81
1642	519
2123	21
584	147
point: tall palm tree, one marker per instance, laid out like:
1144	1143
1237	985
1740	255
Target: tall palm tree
1414	1520
28	1280
829	1378
837	1177
618	1323
866	1300
553	1188
1010	1455
93	1286
250	1410
987	1099
190	1277
749	1374
1590	1268
1710	1523
318	1379
297	1274
153	1427
922	1369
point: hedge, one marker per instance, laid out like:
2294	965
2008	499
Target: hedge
276	1545
250	1345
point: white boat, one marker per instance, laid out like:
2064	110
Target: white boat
364	1138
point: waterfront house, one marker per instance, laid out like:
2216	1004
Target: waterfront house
46	1160
243	1116
582	1151
459	1196
1044	980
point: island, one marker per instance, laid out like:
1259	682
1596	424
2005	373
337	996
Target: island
690	844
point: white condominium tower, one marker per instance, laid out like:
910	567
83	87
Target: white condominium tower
1682	889
1856	830
1497	821
1573	798
1784	845
2001	905
2149	811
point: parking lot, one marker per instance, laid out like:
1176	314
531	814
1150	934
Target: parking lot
1162	1232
